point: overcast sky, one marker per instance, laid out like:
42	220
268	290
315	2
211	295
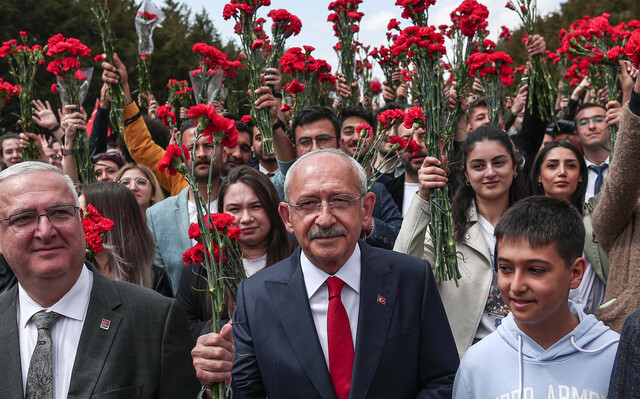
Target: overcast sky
317	32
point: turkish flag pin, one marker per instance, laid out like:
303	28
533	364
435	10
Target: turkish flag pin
104	324
382	300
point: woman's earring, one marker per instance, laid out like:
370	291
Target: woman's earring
467	183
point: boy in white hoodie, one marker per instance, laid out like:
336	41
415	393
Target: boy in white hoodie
547	347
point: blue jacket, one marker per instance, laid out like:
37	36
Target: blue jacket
168	221
404	347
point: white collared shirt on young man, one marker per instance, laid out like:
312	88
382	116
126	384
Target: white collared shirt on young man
591	183
318	294
267	172
65	334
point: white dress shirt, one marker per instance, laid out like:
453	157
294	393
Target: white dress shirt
409	190
65	334
591	183
193	213
318	294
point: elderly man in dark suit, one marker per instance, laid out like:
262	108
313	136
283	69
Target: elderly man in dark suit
67	331
337	319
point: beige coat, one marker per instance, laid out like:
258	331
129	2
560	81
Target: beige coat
616	223
465	304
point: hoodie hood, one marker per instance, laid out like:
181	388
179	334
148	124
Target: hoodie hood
590	336
517	367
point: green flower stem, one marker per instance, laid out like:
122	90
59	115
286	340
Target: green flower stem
101	12
429	84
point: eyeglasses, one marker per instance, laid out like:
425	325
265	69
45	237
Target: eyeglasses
58	216
595	119
340	202
140	182
323	140
98	157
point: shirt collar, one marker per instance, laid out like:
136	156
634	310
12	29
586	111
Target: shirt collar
605	162
72	305
314	278
265	171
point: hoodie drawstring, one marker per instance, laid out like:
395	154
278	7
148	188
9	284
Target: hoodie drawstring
520	366
593	350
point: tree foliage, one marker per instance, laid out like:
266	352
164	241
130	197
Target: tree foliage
549	25
171	59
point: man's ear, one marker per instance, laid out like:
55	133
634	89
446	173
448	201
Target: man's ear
285	215
368	203
577	272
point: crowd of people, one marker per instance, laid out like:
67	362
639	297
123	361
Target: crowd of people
340	299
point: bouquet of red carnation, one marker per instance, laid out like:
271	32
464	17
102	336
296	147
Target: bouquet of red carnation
540	80
207	78
179	93
594	48
148	17
144	80
95	227
217	250
345	18
284	26
494	70
425	46
23	65
307	71
73	85
257	47
215	233
73	82
387	120
468	28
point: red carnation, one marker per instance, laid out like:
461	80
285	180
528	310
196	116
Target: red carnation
364	130
376	87
172	160
294	87
632	48
166	116
193	255
285	107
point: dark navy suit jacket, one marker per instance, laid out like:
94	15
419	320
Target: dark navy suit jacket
404	346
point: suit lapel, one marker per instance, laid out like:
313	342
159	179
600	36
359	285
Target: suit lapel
292	306
474	238
11	381
99	330
181	219
378	288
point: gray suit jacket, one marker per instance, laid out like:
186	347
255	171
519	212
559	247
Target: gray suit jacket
145	353
168	221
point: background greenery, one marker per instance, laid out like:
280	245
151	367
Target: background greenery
172	58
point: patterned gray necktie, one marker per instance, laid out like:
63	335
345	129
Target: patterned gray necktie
40	377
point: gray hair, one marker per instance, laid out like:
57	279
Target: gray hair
27	167
357	169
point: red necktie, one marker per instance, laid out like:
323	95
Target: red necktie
340	341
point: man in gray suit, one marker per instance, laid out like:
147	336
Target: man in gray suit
110	339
